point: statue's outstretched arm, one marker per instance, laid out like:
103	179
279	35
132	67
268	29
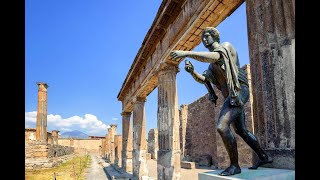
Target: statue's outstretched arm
209	57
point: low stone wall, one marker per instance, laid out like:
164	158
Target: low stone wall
42	155
35	163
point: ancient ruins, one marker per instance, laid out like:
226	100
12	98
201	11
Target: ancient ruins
187	135
177	26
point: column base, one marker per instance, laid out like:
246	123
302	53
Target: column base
168	164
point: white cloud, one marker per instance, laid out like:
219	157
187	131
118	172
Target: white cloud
88	124
115	119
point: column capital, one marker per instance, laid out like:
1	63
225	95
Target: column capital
139	100
43	83
126	114
165	67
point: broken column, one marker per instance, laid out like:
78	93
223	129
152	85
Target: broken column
168	164
126	142
139	139
153	143
41	126
55	135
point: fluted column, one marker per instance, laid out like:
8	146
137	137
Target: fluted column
126	142
271	33
139	139
41	126
168	164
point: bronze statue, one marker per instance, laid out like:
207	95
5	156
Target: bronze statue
225	73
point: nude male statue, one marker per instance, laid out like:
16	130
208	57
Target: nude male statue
225	73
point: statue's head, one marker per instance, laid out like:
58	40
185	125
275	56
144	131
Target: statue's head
209	36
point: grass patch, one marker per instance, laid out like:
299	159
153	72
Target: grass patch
72	169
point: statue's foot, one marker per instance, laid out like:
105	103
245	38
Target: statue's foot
233	169
261	162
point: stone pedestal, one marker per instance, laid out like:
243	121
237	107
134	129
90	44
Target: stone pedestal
168	164
259	174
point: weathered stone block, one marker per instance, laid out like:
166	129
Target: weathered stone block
187	165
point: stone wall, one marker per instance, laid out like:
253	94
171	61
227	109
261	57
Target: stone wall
43	155
200	138
82	146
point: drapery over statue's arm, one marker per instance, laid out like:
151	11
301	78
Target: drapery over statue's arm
209	57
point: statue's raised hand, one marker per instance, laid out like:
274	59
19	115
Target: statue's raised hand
177	54
188	66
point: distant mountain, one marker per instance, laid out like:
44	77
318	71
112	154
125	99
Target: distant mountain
74	134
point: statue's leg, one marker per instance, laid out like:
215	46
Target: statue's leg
251	140
227	115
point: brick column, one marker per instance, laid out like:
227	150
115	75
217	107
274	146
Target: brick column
139	139
271	33
41	126
168	123
126	142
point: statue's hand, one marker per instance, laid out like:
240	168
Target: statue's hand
177	54
188	66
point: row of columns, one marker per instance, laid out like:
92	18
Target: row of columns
168	155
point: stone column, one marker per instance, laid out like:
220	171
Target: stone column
41	126
126	142
112	133
153	146
139	139
118	150
54	135
183	117
271	33
168	123
107	145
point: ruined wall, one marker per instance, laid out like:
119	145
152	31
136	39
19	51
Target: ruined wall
30	135
82	146
42	155
201	136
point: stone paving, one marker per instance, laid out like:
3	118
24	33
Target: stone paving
99	169
95	171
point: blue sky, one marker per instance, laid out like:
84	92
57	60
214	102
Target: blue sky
83	51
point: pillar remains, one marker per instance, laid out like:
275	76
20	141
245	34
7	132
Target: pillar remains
139	139
112	132
126	142
41	126
168	164
153	146
55	135
271	33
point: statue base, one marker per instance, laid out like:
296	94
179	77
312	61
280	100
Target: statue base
259	174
